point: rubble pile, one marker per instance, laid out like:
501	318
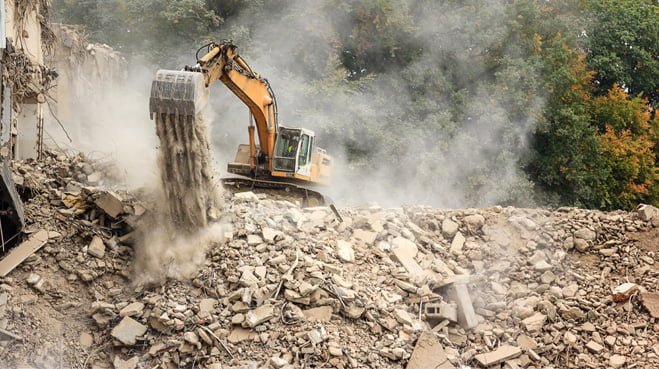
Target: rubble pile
412	287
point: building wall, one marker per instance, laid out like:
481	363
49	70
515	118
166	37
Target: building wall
24	33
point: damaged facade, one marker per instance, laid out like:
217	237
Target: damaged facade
46	70
24	38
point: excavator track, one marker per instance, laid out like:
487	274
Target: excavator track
277	190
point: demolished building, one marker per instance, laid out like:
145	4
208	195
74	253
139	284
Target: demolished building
46	70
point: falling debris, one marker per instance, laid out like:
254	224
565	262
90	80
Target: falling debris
185	167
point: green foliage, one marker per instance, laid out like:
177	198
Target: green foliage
624	45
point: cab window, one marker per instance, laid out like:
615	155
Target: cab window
287	146
303	157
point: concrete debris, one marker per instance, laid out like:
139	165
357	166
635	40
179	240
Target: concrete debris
258	316
503	353
128	331
96	248
288	287
651	303
428	353
319	314
344	251
458	292
110	203
647	212
405	252
8	336
125	364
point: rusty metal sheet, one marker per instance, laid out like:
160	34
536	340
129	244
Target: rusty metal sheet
651	302
22	252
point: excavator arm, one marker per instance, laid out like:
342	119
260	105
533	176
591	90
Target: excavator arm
185	93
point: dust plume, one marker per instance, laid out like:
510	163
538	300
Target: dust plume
440	130
163	254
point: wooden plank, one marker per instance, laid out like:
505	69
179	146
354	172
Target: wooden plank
503	353
22	252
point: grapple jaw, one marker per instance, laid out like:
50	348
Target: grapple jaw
178	92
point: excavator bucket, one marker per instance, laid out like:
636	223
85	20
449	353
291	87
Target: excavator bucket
178	93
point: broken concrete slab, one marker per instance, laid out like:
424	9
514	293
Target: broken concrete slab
405	251
651	303
8	336
428	353
110	203
240	334
535	322
22	252
344	251
647	212
367	237
449	228
128	330
459	293
125	364
498	356
96	248
594	347
457	244
258	316
131	310
319	314
207	305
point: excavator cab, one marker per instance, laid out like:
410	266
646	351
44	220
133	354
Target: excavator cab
292	150
296	156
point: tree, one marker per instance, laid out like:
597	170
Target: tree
623	46
627	142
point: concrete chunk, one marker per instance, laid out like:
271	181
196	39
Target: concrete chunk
457	244
459	293
258	316
367	237
319	314
344	251
498	356
535	322
405	250
449	228
96	248
428	353
110	203
128	330
134	309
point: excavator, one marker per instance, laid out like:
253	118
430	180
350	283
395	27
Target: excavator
285	158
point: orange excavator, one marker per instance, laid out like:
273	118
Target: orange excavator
285	158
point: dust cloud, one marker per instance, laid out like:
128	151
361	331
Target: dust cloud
471	161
